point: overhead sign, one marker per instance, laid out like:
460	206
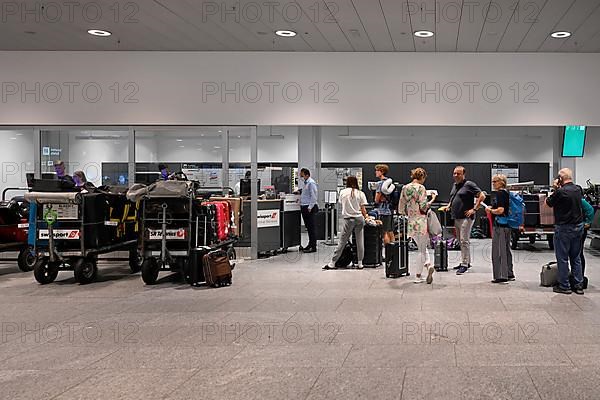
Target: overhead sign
267	218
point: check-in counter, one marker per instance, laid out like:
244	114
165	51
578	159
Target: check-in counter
269	225
290	221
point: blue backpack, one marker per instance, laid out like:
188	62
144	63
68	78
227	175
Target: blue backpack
514	219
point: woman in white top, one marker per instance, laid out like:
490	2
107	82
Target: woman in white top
353	202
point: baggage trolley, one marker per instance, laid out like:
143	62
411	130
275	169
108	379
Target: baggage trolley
73	229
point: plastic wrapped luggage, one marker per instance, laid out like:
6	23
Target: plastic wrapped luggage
222	218
235	204
217	269
546	213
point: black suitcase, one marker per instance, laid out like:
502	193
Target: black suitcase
373	235
396	259
347	257
440	250
440	256
195	271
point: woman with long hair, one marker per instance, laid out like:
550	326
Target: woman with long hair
353	201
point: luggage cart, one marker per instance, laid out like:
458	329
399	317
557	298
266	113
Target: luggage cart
73	229
538	219
14	229
172	225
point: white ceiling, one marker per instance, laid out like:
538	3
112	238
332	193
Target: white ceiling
322	25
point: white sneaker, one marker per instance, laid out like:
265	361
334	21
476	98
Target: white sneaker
419	279
359	266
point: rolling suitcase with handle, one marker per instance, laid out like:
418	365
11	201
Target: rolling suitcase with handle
373	237
396	254
222	218
217	269
440	250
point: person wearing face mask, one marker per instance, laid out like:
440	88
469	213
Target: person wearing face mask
502	264
462	197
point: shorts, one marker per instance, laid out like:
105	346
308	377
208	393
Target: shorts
387	223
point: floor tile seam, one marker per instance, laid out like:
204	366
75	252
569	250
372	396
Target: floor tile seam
91	375
339	305
89	366
314	383
533	383
347	355
258	304
403	382
242	349
573	364
182	384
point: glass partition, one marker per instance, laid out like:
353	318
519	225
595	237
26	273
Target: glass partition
17	155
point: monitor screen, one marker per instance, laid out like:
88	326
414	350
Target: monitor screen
574	141
245	186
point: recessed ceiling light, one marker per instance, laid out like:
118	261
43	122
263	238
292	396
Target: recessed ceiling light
219	132
285	33
13	138
217	147
560	34
182	147
423	34
99	32
180	140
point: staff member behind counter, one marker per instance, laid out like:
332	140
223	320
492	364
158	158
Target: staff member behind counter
67	181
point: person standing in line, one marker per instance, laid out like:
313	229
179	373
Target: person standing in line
502	264
309	208
588	219
462	197
385	187
353	201
413	203
66	180
568	231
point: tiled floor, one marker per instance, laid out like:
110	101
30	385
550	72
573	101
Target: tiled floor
287	330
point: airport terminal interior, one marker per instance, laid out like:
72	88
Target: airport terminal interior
352	199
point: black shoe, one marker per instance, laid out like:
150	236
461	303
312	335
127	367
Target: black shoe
511	278
558	289
309	250
578	291
327	267
460	265
500	281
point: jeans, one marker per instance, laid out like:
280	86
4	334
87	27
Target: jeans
567	247
463	235
423	261
309	222
502	264
350	225
583	238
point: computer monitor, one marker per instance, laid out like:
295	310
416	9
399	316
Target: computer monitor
245	187
51	185
574	141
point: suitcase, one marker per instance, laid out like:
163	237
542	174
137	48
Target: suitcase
235	205
216	268
440	256
347	257
373	235
546	213
195	272
440	250
222	218
207	234
549	274
396	259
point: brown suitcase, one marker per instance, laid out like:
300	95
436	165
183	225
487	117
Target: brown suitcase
235	204
546	213
217	269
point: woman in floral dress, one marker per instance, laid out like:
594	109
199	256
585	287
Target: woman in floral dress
413	203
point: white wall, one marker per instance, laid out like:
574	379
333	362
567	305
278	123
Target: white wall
16	155
173	88
588	167
438	144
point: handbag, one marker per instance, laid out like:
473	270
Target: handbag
433	224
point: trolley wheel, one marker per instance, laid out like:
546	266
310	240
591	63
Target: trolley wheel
44	271
532	239
85	270
150	271
27	259
514	239
135	261
551	242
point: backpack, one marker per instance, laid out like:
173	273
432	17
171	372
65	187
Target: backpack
514	219
394	198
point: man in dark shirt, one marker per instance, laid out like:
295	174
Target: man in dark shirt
67	181
463	208
568	230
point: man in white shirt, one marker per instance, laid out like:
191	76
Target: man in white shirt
353	202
